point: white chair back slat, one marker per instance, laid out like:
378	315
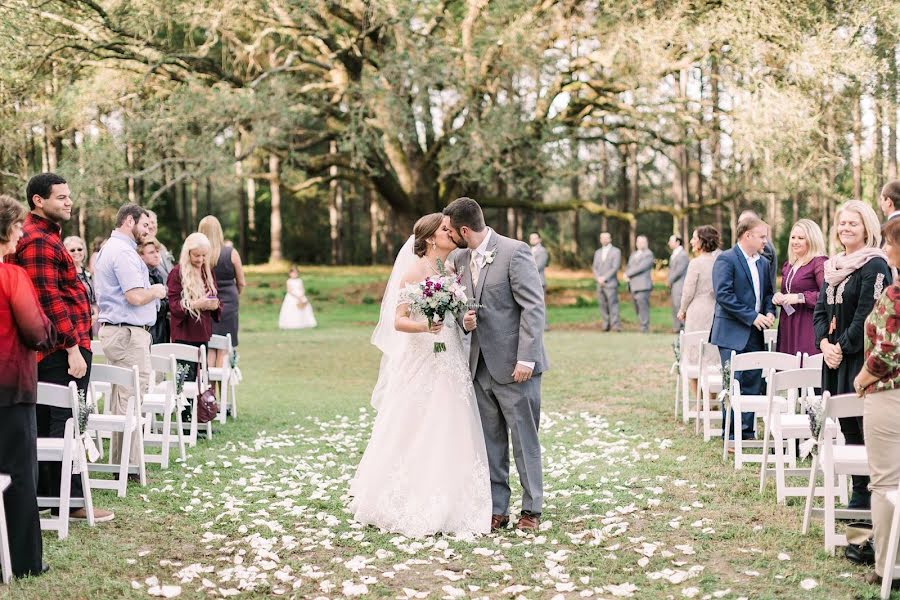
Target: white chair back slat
183	352
813	361
113	375
795	379
57	396
751	361
842	406
770	337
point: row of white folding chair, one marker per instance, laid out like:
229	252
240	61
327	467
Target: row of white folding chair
784	427
129	424
225	376
191	389
738	403
709	382
688	343
5	557
163	402
836	462
68	450
890	559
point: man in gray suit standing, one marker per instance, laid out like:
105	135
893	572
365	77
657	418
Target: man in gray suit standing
638	274
541	258
506	356
607	262
678	264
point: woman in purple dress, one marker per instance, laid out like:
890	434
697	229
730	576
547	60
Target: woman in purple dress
801	279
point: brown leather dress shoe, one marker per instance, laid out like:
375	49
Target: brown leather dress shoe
528	523
873	578
499	522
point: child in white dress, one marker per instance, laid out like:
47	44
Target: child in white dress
296	311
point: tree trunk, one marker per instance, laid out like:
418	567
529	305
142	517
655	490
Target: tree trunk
275	217
633	192
891	100
335	212
242	200
375	218
878	158
856	149
129	160
195	192
716	140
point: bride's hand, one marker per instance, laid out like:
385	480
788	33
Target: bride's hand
435	328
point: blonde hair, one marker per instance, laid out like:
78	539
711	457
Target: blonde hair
814	238
193	287
212	229
869	220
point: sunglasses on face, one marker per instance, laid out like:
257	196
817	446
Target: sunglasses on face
76	249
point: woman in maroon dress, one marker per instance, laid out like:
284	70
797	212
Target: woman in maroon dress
801	279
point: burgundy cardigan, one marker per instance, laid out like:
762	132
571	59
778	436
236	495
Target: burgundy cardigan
186	328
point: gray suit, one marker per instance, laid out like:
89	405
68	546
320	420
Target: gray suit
639	271
678	265
510	329
608	293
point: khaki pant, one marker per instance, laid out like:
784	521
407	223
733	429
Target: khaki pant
126	347
881	425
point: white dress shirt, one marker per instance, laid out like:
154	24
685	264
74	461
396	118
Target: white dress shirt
754	275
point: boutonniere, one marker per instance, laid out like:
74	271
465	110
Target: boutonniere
489	256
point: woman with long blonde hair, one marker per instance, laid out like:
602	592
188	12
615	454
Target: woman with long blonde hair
225	264
193	303
802	276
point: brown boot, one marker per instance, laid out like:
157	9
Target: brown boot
499	522
528	523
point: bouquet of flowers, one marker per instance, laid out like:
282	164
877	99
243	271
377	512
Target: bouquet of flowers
436	296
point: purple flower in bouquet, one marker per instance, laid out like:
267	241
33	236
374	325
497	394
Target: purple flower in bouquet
436	297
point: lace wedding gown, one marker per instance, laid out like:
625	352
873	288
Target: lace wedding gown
425	468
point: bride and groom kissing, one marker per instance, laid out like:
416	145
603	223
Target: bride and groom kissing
438	457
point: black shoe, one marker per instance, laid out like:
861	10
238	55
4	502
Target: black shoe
134	478
860	502
44	568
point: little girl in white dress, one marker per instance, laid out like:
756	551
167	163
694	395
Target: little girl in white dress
296	311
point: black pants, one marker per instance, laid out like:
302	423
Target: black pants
51	422
18	459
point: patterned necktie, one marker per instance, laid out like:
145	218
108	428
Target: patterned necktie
474	267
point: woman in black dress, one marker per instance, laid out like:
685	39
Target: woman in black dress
854	280
225	264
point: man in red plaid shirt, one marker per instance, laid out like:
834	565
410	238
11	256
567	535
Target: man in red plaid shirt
65	302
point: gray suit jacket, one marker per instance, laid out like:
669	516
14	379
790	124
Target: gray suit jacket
541	258
639	271
677	270
511	317
609	268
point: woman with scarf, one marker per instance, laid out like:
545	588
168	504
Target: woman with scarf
854	281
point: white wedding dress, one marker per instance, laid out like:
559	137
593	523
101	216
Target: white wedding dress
425	469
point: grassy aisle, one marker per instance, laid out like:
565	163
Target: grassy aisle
636	505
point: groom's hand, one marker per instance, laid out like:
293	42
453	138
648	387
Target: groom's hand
469	320
521	373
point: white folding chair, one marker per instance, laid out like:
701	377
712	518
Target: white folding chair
740	403
5	556
130	425
784	427
68	450
813	361
223	376
689	342
708	383
837	462
770	337
166	404
890	559
191	389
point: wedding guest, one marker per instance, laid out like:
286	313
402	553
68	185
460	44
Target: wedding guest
698	298
802	276
23	329
678	264
743	308
768	252
854	280
193	304
225	264
889	201
607	262
638	275
879	382
296	310
76	248
150	254
64	301
541	258
166	259
95	251
128	307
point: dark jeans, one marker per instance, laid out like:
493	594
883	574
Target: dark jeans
51	422
752	384
18	459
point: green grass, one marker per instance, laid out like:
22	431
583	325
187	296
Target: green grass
268	491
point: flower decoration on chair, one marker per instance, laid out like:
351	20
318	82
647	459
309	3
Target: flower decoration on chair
726	382
815	409
676	350
85	409
181	374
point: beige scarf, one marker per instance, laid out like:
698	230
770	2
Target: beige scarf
842	266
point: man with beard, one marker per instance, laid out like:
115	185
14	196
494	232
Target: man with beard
128	306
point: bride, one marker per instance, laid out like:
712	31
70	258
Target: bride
425	468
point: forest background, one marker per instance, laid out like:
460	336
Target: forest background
319	130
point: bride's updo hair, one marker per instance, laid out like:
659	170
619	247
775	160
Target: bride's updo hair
426	227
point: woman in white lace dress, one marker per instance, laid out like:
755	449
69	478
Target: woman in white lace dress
424	470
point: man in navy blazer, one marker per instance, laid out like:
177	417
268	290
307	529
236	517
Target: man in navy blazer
744	305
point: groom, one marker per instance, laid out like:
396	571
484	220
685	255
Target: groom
507	355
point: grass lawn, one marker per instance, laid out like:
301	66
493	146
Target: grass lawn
636	505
